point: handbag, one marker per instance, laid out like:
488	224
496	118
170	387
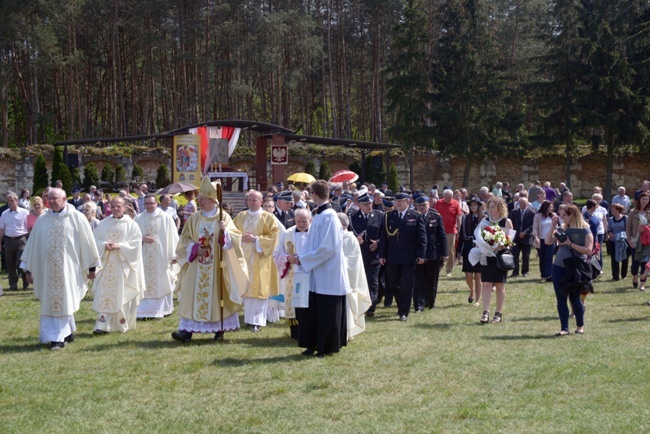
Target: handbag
300	290
505	260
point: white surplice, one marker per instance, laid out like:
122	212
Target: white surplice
358	299
120	283
156	258
59	253
323	257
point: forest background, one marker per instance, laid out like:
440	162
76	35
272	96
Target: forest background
468	78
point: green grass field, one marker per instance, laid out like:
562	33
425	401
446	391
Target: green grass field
439	372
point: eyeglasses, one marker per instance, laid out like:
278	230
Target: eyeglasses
150	203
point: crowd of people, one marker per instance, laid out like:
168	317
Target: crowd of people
350	247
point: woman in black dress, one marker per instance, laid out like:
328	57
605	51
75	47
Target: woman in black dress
490	274
465	244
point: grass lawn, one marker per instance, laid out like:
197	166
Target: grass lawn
439	372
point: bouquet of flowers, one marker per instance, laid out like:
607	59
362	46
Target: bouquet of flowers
495	236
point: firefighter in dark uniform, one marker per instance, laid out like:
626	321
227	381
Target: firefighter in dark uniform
366	224
426	275
387	203
402	246
283	209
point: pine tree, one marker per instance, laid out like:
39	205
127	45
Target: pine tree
324	172
108	175
408	83
60	170
393	181
162	177
120	174
310	168
90	176
467	90
137	173
40	175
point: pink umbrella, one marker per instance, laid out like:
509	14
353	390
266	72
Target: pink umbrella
344	175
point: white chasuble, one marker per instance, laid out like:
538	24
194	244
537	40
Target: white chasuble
121	278
59	253
157	256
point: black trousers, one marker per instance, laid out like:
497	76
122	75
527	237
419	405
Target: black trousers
524	249
13	251
372	276
323	325
611	249
384	293
400	279
426	284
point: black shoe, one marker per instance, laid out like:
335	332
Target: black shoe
218	336
56	345
13	288
98	332
308	352
635	285
470	300
182	336
388	305
25	287
320	355
514	275
69	339
255	329
370	314
525	274
403	317
419	310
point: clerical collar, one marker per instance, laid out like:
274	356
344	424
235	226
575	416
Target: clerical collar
323	207
255	212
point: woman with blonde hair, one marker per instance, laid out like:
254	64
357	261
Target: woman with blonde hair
37	210
570	217
490	274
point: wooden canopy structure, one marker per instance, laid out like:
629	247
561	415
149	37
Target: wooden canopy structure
268	133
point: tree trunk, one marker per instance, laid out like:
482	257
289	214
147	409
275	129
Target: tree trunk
567	166
411	166
609	168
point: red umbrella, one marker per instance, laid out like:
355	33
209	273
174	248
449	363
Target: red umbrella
344	175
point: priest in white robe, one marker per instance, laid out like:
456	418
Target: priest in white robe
259	230
210	295
59	257
292	241
323	325
358	299
120	283
159	241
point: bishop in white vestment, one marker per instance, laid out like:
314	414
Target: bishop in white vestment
210	295
120	283
159	241
59	257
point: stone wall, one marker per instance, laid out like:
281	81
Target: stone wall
17	171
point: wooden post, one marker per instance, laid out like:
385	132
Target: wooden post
279	171
260	161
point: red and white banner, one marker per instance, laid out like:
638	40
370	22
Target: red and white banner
217	144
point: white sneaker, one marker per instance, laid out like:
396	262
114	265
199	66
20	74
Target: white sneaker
448	274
